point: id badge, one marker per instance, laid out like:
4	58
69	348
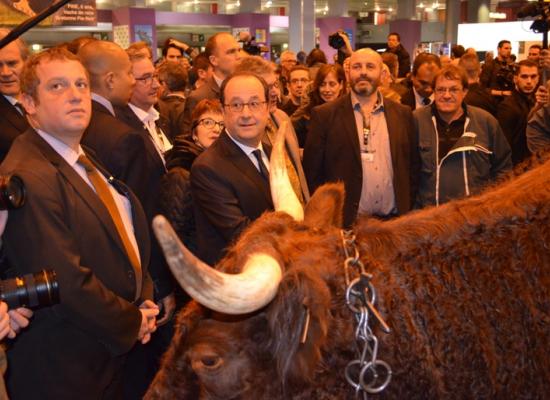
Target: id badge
368	157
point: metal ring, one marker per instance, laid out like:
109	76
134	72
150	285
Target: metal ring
372	366
347	373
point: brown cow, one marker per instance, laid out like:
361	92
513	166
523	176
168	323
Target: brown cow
464	287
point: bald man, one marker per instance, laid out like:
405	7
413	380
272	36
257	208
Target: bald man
128	153
366	141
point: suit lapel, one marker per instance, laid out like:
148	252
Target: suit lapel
81	187
394	131
243	163
349	125
13	116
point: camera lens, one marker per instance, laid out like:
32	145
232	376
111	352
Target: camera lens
12	192
32	290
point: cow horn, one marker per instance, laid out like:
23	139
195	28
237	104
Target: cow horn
282	193
241	293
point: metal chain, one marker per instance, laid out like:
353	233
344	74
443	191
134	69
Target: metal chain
367	374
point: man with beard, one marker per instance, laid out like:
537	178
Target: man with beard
512	113
366	141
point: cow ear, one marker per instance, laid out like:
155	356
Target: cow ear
326	207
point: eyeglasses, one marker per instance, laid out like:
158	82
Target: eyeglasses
148	79
453	91
209	123
274	85
253	106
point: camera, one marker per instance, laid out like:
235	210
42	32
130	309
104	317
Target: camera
336	41
32	290
12	192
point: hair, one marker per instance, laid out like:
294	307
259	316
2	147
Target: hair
167	45
243	74
395	34
316	56
204	106
135	56
470	64
76	44
503	42
288	52
313	93
453	73
137	47
255	65
301	57
525	63
425	58
457	51
201	61
174	75
298	67
535	46
29	78
392	61
23	49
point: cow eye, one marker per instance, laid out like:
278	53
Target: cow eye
211	361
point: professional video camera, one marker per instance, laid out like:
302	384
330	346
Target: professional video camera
249	44
12	192
32	290
541	11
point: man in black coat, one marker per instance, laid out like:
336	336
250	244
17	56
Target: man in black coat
367	142
12	116
512	113
395	47
230	179
478	95
92	232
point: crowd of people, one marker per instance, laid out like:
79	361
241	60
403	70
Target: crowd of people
105	138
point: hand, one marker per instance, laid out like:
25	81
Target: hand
179	44
542	95
19	318
169	305
149	311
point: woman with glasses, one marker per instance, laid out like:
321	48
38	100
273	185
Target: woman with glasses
329	84
176	203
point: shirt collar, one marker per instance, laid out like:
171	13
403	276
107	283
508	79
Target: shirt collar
145	116
219	81
61	148
11	99
104	102
419	99
247	149
461	119
379	106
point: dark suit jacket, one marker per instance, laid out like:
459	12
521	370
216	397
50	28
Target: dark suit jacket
12	124
210	90
228	193
73	349
332	152
408	99
153	170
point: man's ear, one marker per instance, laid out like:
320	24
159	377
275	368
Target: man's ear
109	80
29	104
213	60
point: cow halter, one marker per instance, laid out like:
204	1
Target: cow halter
367	374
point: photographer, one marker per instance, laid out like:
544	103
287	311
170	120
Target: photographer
498	75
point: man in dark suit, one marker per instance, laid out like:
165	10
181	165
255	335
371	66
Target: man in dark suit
224	52
88	227
230	179
12	119
366	141
420	93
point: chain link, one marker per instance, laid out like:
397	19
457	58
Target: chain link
367	374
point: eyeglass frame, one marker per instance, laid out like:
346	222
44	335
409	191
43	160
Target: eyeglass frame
453	91
239	107
221	124
148	78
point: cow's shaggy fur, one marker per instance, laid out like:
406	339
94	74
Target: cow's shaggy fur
464	287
